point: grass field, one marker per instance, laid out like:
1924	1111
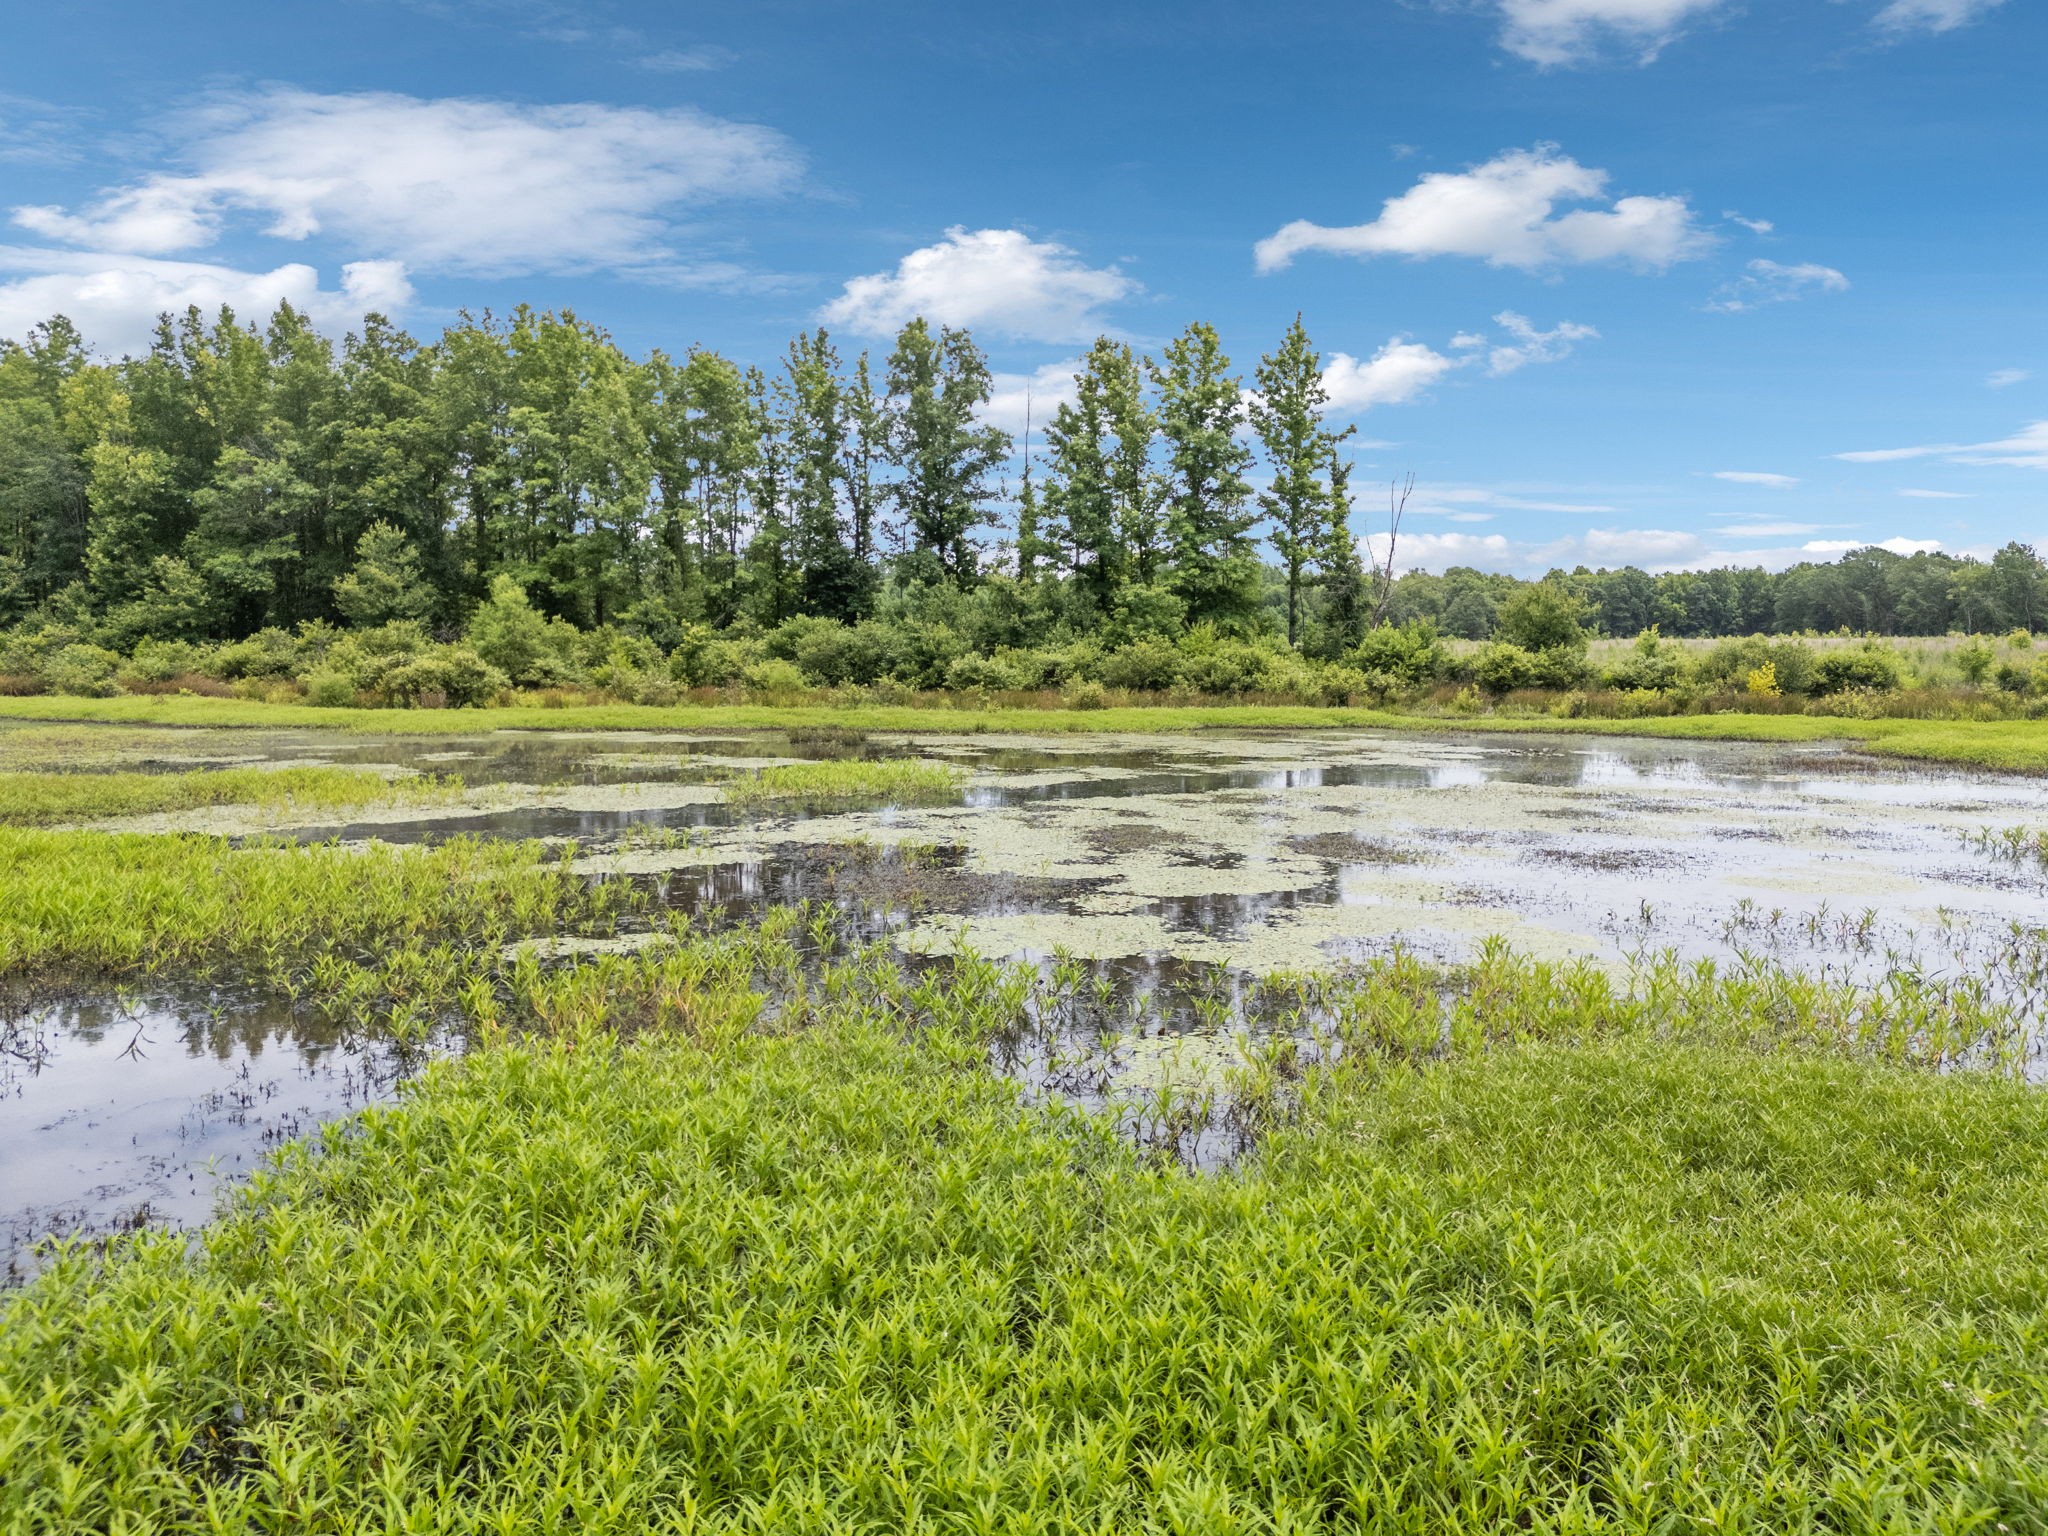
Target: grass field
676	1266
2016	745
40	799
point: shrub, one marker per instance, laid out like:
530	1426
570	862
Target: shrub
1227	666
511	635
835	655
1974	660
331	690
1147	665
1542	616
1086	695
1650	663
1560	667
270	653
772	677
458	675
1762	683
87	670
980	674
1503	667
1869	667
1413	652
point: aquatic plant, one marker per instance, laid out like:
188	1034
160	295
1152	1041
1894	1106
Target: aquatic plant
1550	1259
42	799
849	781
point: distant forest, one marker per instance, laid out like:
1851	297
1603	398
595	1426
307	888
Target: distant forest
236	479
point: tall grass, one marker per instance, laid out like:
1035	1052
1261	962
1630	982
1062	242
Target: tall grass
849	781
39	799
1587	1266
83	904
2020	745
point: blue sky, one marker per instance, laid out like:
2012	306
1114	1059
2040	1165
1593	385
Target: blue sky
1666	282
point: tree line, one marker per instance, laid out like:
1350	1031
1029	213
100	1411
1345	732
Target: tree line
237	478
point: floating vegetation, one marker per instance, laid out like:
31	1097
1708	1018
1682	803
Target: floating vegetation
849	782
42	799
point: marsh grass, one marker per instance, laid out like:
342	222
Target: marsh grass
42	799
1526	1250
83	904
849	782
2016	745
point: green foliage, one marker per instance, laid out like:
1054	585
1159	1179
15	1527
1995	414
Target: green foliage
39	799
1870	667
510	635
1542	616
385	582
1536	1252
1502	667
447	677
1410	652
852	781
1652	664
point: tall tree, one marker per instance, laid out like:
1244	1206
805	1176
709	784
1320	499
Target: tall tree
1287	414
1212	563
943	454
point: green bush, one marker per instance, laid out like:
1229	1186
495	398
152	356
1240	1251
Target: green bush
1412	652
1650	664
331	690
271	653
981	674
85	670
1866	668
1148	665
1502	667
453	675
1562	667
771	677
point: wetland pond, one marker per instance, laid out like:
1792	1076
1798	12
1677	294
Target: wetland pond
1158	863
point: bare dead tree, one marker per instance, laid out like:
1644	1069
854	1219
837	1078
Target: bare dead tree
1398	492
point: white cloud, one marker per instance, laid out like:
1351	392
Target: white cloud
1757	477
1653	549
995	279
1552	32
115	298
2025	449
1902	16
454	184
2005	378
1754	226
1480	496
1014	397
1769	530
1920	495
1394	375
1505	213
1531	345
1775	282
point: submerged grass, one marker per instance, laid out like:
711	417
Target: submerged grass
2014	745
41	799
1527	1250
849	781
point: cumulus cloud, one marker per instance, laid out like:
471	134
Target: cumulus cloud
1506	213
1395	374
1529	345
2025	449
1554	32
1775	282
1904	16
2005	378
1757	477
115	297
993	279
486	187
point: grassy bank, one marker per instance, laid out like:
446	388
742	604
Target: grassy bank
42	799
2018	745
1671	1263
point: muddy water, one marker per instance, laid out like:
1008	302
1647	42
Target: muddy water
1153	859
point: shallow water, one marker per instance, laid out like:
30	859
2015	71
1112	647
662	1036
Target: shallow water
1153	859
